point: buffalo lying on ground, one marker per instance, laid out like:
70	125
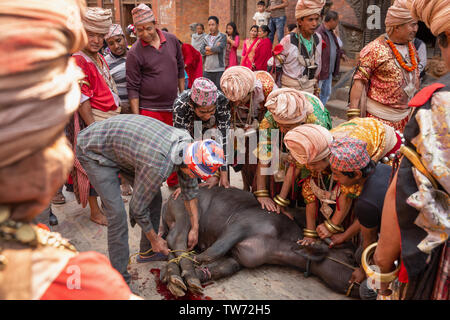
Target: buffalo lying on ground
234	232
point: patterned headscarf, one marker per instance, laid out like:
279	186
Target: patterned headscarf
97	20
114	30
142	14
204	92
237	82
204	158
434	13
288	106
306	8
348	154
308	143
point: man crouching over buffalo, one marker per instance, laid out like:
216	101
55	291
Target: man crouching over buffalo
145	151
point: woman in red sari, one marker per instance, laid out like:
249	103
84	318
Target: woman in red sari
264	49
250	44
193	62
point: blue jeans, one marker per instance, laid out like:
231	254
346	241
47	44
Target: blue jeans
104	180
325	89
277	24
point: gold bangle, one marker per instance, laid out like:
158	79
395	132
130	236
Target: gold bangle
338	228
310	233
380	277
353	110
332	227
217	174
280	201
261	193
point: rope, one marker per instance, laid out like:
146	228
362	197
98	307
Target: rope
185	254
341	262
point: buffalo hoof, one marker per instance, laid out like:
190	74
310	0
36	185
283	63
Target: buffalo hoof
175	290
177	281
194	285
202	258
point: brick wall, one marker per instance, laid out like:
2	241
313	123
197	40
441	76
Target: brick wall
188	12
222	10
346	12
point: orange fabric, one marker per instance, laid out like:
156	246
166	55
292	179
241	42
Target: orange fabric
98	280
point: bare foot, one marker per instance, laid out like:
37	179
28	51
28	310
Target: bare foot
99	218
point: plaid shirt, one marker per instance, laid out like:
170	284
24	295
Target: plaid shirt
144	149
184	117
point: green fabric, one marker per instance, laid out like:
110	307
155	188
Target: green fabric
307	43
323	116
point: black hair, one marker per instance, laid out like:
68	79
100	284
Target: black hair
265	28
235	32
165	29
366	171
292	26
200	24
331	15
254	26
214	18
261	3
442	40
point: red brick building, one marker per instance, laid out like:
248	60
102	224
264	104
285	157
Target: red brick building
177	15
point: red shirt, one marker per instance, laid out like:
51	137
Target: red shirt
94	85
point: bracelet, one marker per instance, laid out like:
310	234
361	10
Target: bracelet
353	110
331	227
370	272
261	193
280	201
217	174
310	233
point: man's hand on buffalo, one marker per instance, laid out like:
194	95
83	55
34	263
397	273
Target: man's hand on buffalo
268	204
192	238
210	182
158	243
337	239
358	276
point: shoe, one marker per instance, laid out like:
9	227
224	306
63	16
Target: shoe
151	257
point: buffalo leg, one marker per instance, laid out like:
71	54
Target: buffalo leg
223	244
177	240
224	267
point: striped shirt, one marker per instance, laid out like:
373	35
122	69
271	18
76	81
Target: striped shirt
118	72
145	150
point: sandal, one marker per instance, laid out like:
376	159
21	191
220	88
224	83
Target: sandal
151	257
59	198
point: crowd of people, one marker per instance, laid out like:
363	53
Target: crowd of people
132	115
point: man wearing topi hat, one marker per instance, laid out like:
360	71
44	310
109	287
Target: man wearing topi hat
155	70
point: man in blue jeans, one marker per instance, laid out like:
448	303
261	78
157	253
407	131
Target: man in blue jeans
144	151
331	55
277	9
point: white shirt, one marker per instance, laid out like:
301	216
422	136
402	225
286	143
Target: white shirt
261	18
